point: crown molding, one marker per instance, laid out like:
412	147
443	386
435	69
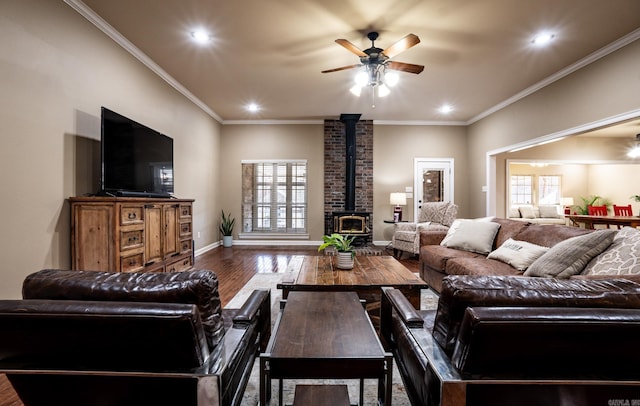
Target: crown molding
270	122
589	59
112	33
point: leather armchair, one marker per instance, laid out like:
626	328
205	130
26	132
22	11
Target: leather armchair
517	340
82	337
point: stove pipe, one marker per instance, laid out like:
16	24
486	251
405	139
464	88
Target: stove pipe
350	121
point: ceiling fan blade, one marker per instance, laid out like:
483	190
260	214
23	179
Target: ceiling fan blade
350	47
341	68
405	67
405	43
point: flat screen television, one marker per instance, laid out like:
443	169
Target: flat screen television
136	160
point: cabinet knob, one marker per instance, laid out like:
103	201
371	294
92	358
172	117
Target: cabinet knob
132	216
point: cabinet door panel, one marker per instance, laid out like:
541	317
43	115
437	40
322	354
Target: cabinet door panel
153	231
93	237
171	231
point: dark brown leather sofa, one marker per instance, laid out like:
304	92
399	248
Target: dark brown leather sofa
83	337
498	340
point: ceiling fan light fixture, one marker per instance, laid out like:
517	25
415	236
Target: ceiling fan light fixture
391	79
361	78
383	90
635	151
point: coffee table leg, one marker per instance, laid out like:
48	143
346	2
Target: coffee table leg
361	391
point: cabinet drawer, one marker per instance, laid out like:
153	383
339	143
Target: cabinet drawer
133	263
131	214
185	229
131	239
157	267
185	211
182	264
185	246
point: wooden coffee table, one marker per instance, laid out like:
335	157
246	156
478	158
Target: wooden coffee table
325	335
368	276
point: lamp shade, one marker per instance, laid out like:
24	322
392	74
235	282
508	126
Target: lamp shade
567	201
398	199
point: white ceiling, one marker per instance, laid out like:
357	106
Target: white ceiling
477	53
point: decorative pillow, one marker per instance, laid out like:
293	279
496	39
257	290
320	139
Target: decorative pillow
622	257
514	212
527	212
550	212
518	254
471	235
569	257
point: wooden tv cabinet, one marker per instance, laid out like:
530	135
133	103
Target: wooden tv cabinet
131	234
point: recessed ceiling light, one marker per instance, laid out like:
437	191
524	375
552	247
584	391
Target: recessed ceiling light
542	38
252	107
445	109
201	36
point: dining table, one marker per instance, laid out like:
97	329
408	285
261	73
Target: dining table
591	221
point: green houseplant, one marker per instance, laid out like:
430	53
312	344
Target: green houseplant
344	247
226	229
592	200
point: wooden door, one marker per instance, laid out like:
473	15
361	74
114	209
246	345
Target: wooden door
153	233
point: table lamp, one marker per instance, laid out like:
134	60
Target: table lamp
567	202
397	199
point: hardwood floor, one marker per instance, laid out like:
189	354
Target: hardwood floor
234	267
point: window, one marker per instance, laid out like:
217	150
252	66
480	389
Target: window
549	190
521	189
274	197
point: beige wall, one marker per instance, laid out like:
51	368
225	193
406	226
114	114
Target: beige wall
285	141
606	88
56	71
394	150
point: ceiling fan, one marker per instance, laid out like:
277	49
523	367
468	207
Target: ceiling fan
375	61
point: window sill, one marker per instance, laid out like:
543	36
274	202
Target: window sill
273	236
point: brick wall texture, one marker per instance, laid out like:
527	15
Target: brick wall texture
335	164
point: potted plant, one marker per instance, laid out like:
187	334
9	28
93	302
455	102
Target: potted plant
344	247
226	229
592	200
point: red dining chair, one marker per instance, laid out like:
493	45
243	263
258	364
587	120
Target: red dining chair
597	210
622	210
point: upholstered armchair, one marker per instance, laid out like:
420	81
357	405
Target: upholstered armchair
432	216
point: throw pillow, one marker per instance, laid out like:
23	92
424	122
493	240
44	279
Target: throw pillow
518	254
622	257
527	212
471	235
569	257
549	212
514	212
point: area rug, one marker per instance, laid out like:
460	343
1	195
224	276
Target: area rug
428	300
